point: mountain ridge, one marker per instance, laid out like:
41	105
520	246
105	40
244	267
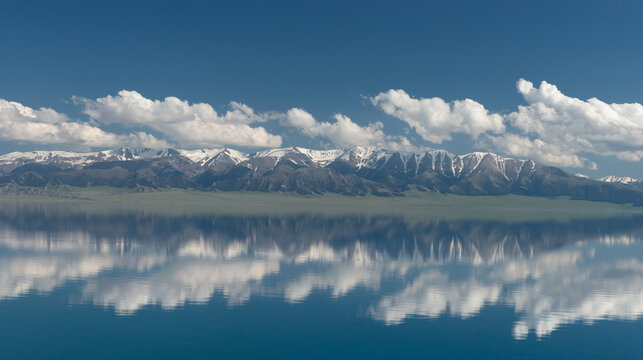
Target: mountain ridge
360	170
625	180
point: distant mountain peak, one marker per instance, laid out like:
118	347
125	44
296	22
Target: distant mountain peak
625	180
620	179
358	170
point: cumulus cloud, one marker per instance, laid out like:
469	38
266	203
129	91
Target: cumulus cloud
553	127
575	126
300	119
46	126
191	125
344	132
436	120
523	146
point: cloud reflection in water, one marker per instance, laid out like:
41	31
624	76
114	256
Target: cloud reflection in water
550	274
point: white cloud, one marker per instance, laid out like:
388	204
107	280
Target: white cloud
553	128
574	126
344	132
436	120
46	126
300	119
634	155
190	125
522	146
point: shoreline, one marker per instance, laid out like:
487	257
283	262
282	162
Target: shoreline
414	204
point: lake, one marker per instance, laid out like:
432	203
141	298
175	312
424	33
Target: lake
132	284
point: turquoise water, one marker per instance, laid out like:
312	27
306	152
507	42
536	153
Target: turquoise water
132	286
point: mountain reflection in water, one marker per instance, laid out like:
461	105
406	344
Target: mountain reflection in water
550	273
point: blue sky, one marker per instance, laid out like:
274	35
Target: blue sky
336	61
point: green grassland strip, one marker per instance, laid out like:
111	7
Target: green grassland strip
415	206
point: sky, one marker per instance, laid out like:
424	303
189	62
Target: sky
557	82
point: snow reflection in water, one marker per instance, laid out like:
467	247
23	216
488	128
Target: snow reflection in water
550	274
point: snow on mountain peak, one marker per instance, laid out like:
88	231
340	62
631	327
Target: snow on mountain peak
127	153
200	156
359	157
364	151
236	156
321	157
620	179
47	156
277	153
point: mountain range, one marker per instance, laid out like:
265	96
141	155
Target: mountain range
626	180
360	170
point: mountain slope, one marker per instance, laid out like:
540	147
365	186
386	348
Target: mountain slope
360	170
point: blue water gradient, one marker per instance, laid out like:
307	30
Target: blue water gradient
130	287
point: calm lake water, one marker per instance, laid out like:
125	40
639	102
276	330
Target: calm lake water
137	285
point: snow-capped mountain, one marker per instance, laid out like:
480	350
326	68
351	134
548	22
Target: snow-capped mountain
358	157
359	170
626	180
72	159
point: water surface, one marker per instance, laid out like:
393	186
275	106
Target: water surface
140	285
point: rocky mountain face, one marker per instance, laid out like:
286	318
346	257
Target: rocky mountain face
360	170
